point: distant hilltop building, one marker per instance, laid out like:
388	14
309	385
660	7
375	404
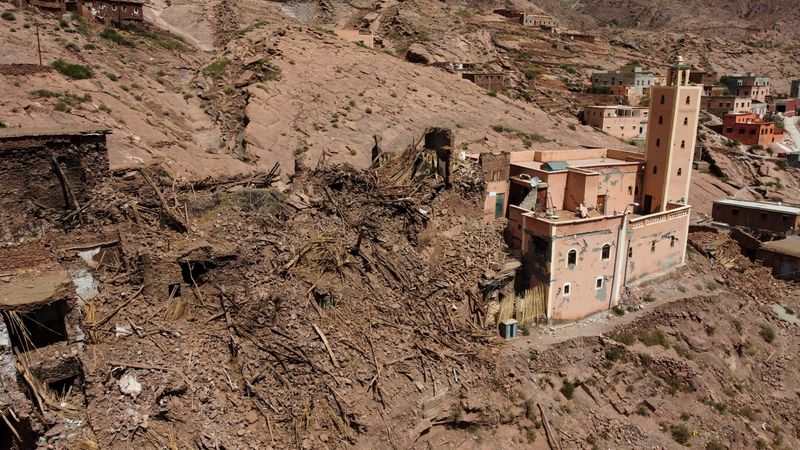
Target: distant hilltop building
592	221
749	85
633	76
749	129
719	105
109	12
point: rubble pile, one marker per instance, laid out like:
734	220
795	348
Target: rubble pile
230	313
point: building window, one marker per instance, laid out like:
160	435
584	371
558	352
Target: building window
598	283
655	170
606	254
660	120
679	171
572	258
734	212
764	216
630	252
136	10
683	144
124	8
672	240
688	100
658	142
567	288
113	7
662	99
685	121
653	247
630	190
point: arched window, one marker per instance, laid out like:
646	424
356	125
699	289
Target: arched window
683	144
680	171
686	121
662	99
658	142
688	99
655	170
606	254
660	120
572	258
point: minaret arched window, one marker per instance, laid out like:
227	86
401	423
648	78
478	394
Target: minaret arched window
658	142
683	144
680	171
686	121
662	99
655	170
688	99
660	120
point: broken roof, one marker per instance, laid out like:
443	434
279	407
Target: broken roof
761	206
7	133
789	246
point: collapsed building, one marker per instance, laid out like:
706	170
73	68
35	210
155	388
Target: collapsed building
590	222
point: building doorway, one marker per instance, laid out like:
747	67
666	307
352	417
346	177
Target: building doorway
648	204
601	204
499	203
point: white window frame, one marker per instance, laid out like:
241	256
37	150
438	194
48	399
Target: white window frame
566	289
602	281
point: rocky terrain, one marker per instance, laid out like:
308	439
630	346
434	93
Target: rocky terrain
330	304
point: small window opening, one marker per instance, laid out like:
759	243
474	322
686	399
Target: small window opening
655	170
679	171
38	328
598	283
630	252
688	100
566	288
662	99
572	258
672	240
653	247
606	254
658	142
686	121
683	144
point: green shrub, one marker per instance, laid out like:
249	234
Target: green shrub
782	165
685	416
618	310
89	46
73	47
567	389
74	71
683	351
8	15
649	298
164	41
110	76
680	433
615	353
654	337
368	110
788	310
44	93
569	69
217	68
624	337
767	333
715	445
115	37
531	74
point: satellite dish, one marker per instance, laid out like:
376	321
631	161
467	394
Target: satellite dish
535	182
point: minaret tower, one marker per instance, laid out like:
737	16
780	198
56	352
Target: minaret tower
671	137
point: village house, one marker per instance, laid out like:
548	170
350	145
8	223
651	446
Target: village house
538	20
719	105
706	78
787	107
592	221
491	81
749	129
633	76
109	12
624	122
759	217
748	85
783	256
578	36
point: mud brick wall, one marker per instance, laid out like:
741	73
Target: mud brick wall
30	187
495	166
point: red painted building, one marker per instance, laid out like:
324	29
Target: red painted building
749	129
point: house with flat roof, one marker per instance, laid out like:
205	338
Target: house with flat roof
749	129
769	217
783	256
491	81
592	221
748	85
624	122
719	105
633	76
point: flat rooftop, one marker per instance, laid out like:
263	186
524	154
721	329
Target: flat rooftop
576	163
789	246
761	206
51	131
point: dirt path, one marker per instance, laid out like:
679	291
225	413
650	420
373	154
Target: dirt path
790	124
154	13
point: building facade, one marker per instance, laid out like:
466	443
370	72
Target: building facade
635	77
794	91
538	20
579	218
719	105
624	122
749	85
760	217
782	256
787	107
749	129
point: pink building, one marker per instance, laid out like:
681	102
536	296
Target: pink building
624	122
592	221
